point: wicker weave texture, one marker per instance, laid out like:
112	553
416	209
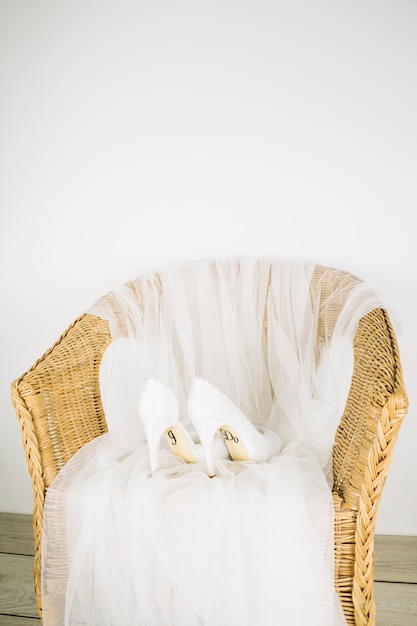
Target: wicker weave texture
362	454
59	409
58	406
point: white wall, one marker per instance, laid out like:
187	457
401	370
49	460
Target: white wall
136	133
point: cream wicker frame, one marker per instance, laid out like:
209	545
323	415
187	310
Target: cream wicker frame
59	410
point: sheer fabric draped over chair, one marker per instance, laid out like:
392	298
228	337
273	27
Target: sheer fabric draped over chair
305	350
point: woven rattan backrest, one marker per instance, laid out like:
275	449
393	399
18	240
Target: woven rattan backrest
329	287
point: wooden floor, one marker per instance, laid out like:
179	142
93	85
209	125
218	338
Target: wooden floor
395	576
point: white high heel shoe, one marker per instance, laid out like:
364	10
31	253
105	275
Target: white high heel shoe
159	412
210	410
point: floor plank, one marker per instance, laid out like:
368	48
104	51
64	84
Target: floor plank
17	595
396	604
16	534
13	620
396	559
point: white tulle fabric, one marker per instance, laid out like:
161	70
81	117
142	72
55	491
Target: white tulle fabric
254	545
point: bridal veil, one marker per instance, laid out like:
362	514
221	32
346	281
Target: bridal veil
254	545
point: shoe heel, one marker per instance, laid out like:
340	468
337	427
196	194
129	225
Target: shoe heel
153	448
208	444
204	425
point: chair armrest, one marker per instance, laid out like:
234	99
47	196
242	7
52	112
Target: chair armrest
362	454
59	409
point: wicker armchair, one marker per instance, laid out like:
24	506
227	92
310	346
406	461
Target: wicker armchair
59	410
